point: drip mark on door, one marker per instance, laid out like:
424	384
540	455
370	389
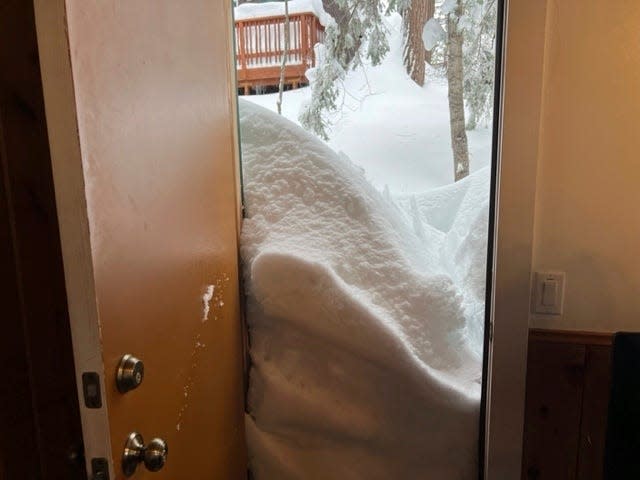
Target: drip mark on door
218	303
206	302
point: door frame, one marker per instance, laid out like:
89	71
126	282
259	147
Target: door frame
73	220
515	171
38	401
508	299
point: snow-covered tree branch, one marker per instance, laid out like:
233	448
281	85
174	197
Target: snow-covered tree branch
356	34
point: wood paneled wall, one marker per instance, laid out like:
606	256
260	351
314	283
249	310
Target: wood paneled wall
568	383
39	420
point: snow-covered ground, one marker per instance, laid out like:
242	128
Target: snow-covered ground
395	130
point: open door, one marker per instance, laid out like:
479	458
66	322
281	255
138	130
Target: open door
141	128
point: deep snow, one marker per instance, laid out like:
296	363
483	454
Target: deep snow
365	273
363	314
395	130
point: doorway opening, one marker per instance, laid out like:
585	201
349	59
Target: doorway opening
368	138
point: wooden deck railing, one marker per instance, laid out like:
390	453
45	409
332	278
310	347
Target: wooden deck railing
260	44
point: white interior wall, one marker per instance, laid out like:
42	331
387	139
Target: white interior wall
587	220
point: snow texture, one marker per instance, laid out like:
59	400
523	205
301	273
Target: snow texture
364	315
247	11
448	6
432	33
397	131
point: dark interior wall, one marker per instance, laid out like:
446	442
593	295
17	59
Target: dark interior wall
40	430
17	426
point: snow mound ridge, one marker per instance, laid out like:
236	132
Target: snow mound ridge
362	362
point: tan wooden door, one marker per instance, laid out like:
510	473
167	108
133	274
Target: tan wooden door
141	120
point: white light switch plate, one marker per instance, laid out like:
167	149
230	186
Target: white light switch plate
548	293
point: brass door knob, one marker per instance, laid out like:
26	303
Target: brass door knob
153	455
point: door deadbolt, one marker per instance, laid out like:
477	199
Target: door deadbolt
153	455
130	373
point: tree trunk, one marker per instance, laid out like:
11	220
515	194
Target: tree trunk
415	55
455	78
285	53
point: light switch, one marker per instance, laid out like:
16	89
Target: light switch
548	293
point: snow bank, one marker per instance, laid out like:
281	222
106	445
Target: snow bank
365	364
248	11
461	212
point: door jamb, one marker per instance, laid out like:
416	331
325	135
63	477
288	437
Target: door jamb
522	83
66	161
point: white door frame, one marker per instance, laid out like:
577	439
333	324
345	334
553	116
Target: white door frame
67	169
521	91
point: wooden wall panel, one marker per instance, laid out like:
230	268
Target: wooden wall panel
568	383
597	379
552	410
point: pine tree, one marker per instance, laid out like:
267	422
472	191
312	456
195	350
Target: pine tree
358	34
470	58
468	55
479	59
341	14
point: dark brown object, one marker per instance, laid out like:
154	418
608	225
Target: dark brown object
594	412
568	379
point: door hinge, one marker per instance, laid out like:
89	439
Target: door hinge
91	390
99	469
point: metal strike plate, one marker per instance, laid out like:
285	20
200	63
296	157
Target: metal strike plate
99	469
91	390
130	373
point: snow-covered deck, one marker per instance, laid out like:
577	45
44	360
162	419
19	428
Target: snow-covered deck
260	44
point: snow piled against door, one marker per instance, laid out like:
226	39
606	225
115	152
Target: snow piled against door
365	315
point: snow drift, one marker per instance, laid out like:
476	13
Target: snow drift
363	315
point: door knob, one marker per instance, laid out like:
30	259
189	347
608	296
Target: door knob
153	455
130	373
